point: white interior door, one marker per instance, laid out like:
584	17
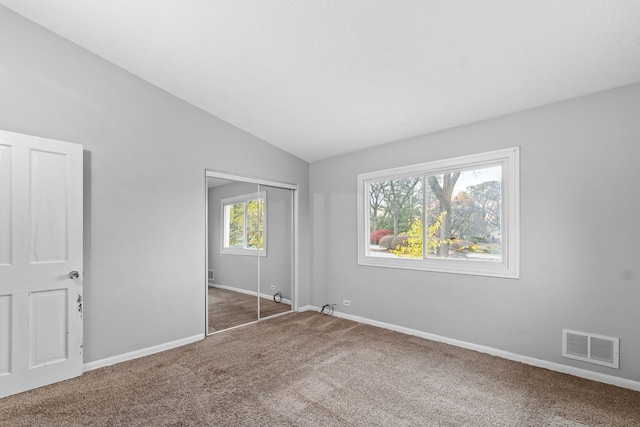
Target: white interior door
40	253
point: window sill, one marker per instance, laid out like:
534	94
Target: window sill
452	266
243	252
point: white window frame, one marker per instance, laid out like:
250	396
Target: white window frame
225	225
508	267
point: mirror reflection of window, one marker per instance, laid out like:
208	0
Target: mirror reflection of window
244	223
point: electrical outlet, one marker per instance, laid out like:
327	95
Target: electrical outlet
346	302
273	287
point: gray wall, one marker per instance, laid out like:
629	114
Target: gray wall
241	271
579	235
145	161
146	153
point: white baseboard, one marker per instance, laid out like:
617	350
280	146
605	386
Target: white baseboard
246	292
270	297
140	353
552	366
230	288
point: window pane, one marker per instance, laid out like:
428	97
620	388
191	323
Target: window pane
395	217
236	225
255	224
463	214
466	212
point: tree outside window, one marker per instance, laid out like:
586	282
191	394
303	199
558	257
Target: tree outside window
244	224
448	210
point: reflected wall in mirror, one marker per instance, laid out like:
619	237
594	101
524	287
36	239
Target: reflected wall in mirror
250	252
276	268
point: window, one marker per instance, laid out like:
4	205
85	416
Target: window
457	215
244	219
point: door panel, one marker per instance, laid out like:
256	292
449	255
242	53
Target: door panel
48	206
40	243
5	334
48	327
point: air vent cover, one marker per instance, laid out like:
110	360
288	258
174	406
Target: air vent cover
591	348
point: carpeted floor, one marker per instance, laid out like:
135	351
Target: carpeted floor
228	308
309	369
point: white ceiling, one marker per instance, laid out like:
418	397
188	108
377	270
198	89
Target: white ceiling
319	78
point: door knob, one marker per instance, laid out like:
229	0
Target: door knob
74	275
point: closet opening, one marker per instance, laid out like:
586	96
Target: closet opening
250	250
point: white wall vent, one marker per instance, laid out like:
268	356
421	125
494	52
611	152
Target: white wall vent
591	348
210	275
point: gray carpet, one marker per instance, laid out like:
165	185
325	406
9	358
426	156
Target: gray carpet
308	369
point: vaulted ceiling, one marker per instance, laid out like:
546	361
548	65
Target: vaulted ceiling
319	78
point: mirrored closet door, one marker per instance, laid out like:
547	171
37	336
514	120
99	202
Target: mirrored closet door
250	251
276	267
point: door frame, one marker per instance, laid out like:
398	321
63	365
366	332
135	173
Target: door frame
213	173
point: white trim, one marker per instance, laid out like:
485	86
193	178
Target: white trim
270	298
557	367
231	288
296	244
552	366
206	254
254	180
140	353
508	159
247	292
265	319
242	325
273	316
